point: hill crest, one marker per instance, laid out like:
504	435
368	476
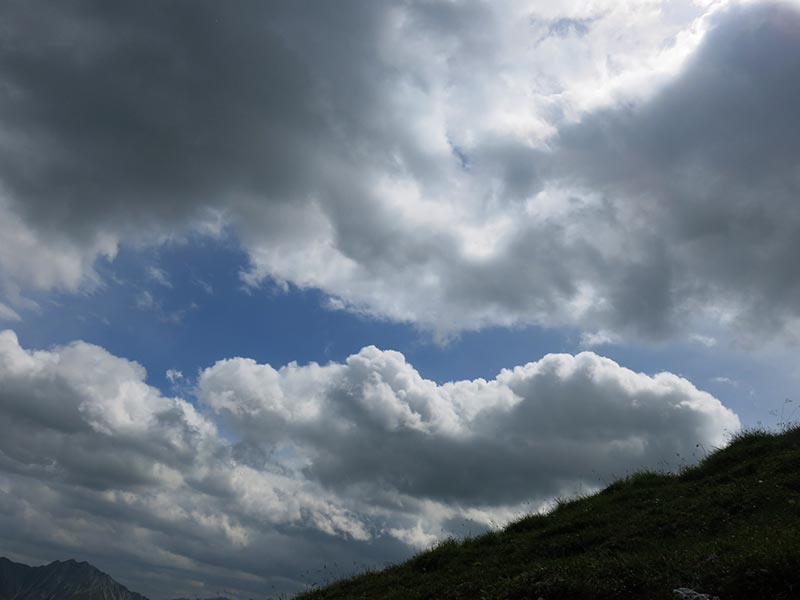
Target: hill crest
729	527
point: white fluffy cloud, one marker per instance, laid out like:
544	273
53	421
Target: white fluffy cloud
373	423
281	471
619	167
92	459
31	259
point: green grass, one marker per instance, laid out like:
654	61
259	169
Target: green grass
729	526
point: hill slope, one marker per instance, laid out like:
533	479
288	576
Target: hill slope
729	526
60	580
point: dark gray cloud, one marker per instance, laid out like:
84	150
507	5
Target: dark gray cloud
321	134
705	175
415	161
150	112
322	469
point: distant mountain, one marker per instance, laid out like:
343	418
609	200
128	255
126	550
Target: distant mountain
60	580
217	598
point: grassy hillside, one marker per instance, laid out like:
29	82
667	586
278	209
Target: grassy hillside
729	526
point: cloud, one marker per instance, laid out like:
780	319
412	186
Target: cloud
145	301
699	185
425	163
31	259
347	463
173	375
8	314
374	423
159	276
704	340
597	338
96	463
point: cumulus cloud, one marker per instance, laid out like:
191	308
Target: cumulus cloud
350	463
95	462
374	422
451	165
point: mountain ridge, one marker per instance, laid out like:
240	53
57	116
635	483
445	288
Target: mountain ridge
60	580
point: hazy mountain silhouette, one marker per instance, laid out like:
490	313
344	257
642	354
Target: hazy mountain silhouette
217	598
60	580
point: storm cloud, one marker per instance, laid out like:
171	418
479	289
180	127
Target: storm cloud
703	178
394	157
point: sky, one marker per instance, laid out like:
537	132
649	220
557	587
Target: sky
289	290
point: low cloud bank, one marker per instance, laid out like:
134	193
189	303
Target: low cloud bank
277	473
